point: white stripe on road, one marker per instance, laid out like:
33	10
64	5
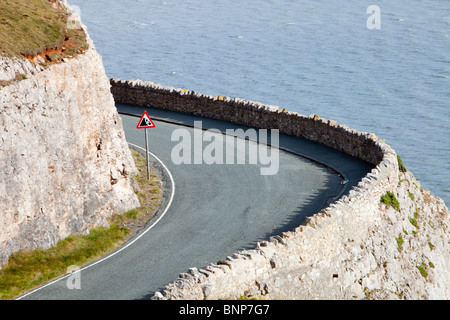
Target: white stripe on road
131	242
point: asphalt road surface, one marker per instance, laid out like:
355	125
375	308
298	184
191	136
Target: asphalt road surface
209	211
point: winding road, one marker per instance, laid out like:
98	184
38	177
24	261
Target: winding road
209	211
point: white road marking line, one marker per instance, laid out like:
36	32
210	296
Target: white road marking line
131	242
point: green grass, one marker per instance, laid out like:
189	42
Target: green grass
18	77
423	269
400	242
390	199
401	167
28	269
150	191
28	27
131	214
413	221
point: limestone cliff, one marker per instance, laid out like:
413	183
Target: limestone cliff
64	162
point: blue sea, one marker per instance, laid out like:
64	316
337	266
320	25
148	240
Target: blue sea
312	57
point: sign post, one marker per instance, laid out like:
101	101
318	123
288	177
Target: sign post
146	155
144	123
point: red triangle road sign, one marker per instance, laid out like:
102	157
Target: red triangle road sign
145	122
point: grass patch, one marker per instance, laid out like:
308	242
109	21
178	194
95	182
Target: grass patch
18	77
423	269
390	199
30	27
413	221
401	167
28	269
400	242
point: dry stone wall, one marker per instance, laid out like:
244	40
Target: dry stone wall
359	144
358	247
64	162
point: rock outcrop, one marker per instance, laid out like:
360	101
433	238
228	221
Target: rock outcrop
64	162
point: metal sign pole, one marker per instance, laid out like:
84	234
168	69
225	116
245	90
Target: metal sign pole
144	123
146	155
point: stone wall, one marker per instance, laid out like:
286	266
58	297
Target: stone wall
358	247
359	144
64	161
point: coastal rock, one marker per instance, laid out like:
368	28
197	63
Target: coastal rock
65	165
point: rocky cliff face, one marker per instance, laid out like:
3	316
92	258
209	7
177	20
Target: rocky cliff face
64	163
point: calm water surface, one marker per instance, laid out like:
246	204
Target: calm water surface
312	57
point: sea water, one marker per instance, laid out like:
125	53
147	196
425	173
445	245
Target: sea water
312	57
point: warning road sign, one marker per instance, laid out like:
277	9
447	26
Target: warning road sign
145	122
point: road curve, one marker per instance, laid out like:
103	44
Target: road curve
216	210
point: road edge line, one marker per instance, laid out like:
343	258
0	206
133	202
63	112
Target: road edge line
126	245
